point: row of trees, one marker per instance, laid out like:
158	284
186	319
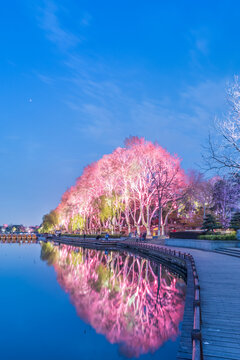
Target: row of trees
141	184
138	187
17	228
210	222
218	197
129	189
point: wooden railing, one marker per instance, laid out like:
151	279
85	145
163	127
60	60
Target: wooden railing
197	353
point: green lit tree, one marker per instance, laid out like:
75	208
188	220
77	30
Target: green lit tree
76	223
210	223
235	221
110	209
50	222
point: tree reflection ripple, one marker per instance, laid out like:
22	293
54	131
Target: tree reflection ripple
133	301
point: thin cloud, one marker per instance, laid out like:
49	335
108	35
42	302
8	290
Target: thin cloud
50	22
168	120
202	46
199	41
86	19
45	78
107	106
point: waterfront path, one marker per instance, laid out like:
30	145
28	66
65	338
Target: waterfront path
219	277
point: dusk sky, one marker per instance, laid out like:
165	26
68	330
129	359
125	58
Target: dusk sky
78	77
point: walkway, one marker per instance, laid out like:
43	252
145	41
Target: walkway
219	277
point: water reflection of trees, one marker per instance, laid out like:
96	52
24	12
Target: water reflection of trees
131	300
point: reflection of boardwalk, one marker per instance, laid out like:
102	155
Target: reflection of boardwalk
219	277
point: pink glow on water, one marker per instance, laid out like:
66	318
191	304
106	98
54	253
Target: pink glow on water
131	301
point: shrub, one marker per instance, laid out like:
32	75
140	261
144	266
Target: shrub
230	236
210	223
185	234
235	221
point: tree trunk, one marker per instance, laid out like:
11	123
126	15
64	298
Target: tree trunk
159	217
163	229
138	229
165	222
148	223
148	230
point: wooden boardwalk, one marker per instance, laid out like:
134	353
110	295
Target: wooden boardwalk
219	277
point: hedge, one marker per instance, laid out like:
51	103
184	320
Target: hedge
231	236
185	234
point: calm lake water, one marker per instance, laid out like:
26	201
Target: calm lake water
70	303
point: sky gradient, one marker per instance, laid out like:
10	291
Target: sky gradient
78	77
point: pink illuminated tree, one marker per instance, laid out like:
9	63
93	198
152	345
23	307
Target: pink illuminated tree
128	188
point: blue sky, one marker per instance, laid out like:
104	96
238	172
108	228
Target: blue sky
78	77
